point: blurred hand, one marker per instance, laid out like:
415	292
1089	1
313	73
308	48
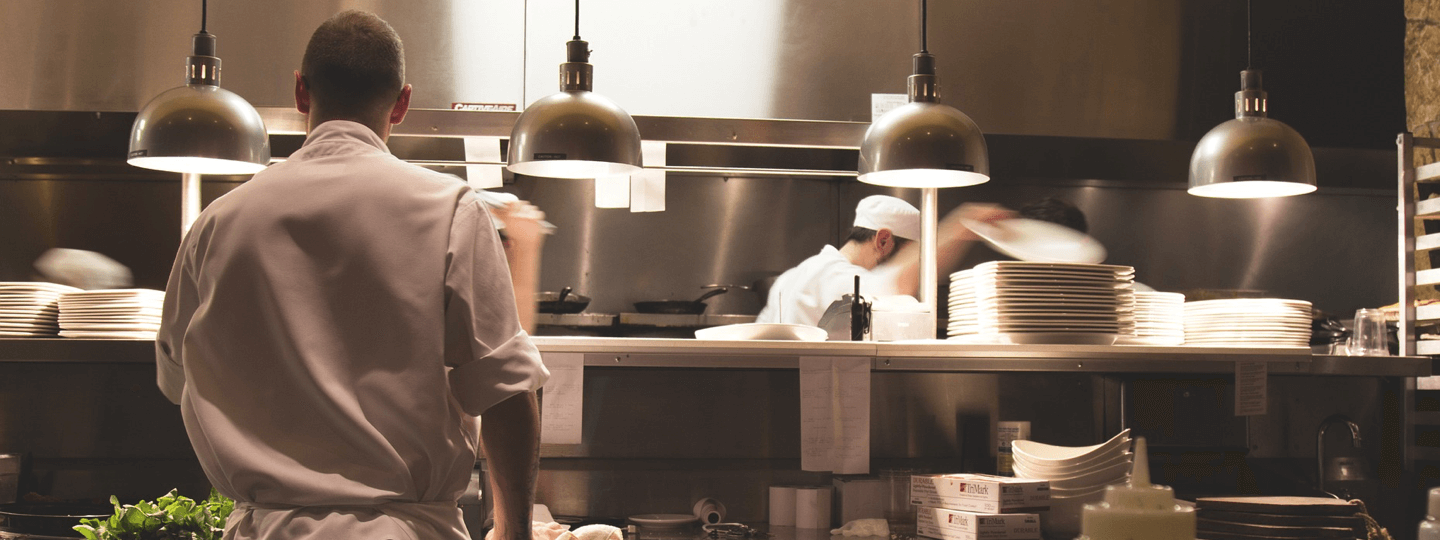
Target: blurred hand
981	212
523	228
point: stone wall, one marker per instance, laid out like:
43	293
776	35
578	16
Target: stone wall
1422	101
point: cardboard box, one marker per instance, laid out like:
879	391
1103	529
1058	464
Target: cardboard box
948	524
980	493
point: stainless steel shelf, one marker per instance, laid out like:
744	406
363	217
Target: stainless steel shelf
909	356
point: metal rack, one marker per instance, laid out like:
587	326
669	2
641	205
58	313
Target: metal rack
1408	210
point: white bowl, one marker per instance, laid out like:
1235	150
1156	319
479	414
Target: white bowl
1065	456
1046	471
1099	478
763	331
1090	477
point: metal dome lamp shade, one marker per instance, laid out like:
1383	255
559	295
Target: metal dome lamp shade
1252	156
200	128
924	144
575	133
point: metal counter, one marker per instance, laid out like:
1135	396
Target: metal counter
934	356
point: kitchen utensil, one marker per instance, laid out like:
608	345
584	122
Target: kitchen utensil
709	511
684	307
53	519
1038	241
564	301
663	521
762	331
1367	337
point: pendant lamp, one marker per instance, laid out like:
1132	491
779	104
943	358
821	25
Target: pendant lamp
1252	156
200	128
575	133
924	144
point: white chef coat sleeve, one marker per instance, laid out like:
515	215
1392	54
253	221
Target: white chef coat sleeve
490	357
181	301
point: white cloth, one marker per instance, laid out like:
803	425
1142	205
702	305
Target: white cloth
801	294
332	329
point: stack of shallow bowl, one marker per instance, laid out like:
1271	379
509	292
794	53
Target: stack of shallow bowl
1248	322
30	308
1159	319
1077	475
1042	303
111	313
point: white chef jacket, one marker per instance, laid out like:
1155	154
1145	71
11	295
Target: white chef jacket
332	329
803	293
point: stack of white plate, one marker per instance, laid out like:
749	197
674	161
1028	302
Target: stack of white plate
30	308
1077	475
1159	319
1024	302
111	313
1248	322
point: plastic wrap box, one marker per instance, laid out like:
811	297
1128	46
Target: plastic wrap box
980	493
947	524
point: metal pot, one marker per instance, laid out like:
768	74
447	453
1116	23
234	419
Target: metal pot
49	519
562	302
685	307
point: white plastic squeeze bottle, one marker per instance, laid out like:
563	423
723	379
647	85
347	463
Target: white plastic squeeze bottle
1430	528
1138	511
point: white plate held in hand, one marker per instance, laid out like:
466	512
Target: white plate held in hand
1038	241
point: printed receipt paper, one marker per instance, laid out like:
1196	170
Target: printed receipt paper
835	414
561	398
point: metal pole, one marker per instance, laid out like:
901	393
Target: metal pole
1406	206
189	201
929	265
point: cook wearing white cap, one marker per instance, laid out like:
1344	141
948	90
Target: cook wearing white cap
879	249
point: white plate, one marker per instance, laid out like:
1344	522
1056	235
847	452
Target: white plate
1049	338
1038	241
663	521
82	334
763	331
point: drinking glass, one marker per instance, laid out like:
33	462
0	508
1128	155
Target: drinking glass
1368	336
899	514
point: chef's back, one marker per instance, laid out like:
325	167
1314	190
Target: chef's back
333	327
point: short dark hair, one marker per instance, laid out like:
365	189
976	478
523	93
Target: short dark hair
1056	211
354	65
862	235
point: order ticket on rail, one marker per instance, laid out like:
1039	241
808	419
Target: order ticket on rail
835	414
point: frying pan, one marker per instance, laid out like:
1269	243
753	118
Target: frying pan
562	302
52	519
684	307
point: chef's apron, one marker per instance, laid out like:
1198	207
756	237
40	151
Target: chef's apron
439	520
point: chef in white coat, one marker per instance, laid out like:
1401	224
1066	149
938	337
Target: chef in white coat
334	328
882	248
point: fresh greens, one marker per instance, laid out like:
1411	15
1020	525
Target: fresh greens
170	517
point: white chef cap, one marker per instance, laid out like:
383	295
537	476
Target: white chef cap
885	212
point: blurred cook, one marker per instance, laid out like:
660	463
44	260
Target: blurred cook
882	249
334	328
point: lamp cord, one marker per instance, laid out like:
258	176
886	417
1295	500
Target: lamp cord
204	8
577	20
923	17
1248	38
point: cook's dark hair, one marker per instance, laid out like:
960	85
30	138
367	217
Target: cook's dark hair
354	65
1056	211
862	235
